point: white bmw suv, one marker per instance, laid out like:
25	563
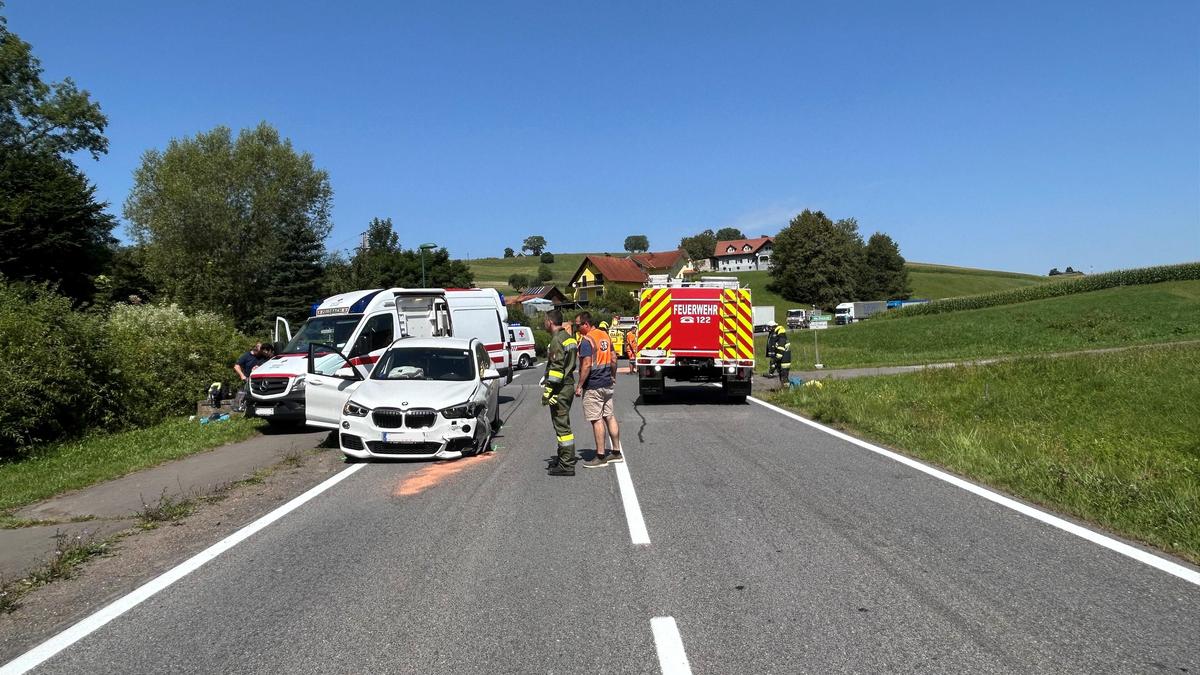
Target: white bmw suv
426	398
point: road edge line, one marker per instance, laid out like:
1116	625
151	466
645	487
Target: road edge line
1120	547
86	626
672	659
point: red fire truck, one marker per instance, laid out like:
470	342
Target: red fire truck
695	331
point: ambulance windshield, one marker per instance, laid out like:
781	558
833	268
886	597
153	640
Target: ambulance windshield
326	330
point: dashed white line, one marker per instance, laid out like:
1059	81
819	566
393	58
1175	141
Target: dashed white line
1145	557
38	655
672	659
633	511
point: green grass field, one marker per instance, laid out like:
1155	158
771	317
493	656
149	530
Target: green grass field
932	282
494	272
1108	437
60	467
1128	315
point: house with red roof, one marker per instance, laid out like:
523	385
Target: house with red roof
629	273
743	255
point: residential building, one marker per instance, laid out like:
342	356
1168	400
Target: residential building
743	255
595	271
550	293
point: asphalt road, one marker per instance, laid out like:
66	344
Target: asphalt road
775	548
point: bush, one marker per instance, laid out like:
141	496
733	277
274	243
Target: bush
547	258
1095	282
163	359
541	340
544	274
53	373
64	373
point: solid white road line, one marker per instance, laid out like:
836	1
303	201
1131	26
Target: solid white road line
1142	556
70	636
671	657
633	511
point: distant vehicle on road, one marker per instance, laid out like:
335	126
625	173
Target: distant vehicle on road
524	349
426	398
696	331
798	318
763	315
849	312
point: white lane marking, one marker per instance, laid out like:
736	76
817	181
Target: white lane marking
671	657
633	512
1145	557
36	656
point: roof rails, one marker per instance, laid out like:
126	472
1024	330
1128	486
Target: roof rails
664	281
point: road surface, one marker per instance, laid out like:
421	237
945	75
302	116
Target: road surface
773	548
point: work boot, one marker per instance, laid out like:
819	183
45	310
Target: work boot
560	470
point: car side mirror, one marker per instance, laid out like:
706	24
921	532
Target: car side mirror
347	373
490	374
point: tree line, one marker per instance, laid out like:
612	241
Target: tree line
233	224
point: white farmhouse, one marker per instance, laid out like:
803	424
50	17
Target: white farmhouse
743	255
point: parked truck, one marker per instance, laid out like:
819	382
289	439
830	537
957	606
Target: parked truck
798	318
849	312
763	315
696	331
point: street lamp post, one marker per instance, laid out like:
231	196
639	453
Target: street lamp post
425	247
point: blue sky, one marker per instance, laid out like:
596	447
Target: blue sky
1016	135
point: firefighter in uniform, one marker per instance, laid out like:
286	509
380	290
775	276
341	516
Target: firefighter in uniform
558	391
771	366
781	357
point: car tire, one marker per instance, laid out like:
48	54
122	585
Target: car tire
496	423
523	362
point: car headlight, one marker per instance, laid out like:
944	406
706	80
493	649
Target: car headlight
353	409
461	411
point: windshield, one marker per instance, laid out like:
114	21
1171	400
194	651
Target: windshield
795	312
412	363
326	330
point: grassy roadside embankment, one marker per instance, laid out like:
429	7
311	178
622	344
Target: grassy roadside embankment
59	467
1110	438
1115	317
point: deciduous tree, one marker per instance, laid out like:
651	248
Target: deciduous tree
52	228
728	233
508	252
699	246
214	212
885	275
535	244
816	261
637	243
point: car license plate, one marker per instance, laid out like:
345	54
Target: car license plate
264	412
403	437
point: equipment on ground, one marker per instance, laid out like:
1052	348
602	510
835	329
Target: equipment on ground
695	331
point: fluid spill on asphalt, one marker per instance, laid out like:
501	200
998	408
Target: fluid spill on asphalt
420	481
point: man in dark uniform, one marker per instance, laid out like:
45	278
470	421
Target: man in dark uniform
782	356
558	390
770	350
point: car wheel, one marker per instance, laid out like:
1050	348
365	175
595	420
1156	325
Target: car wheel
523	362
